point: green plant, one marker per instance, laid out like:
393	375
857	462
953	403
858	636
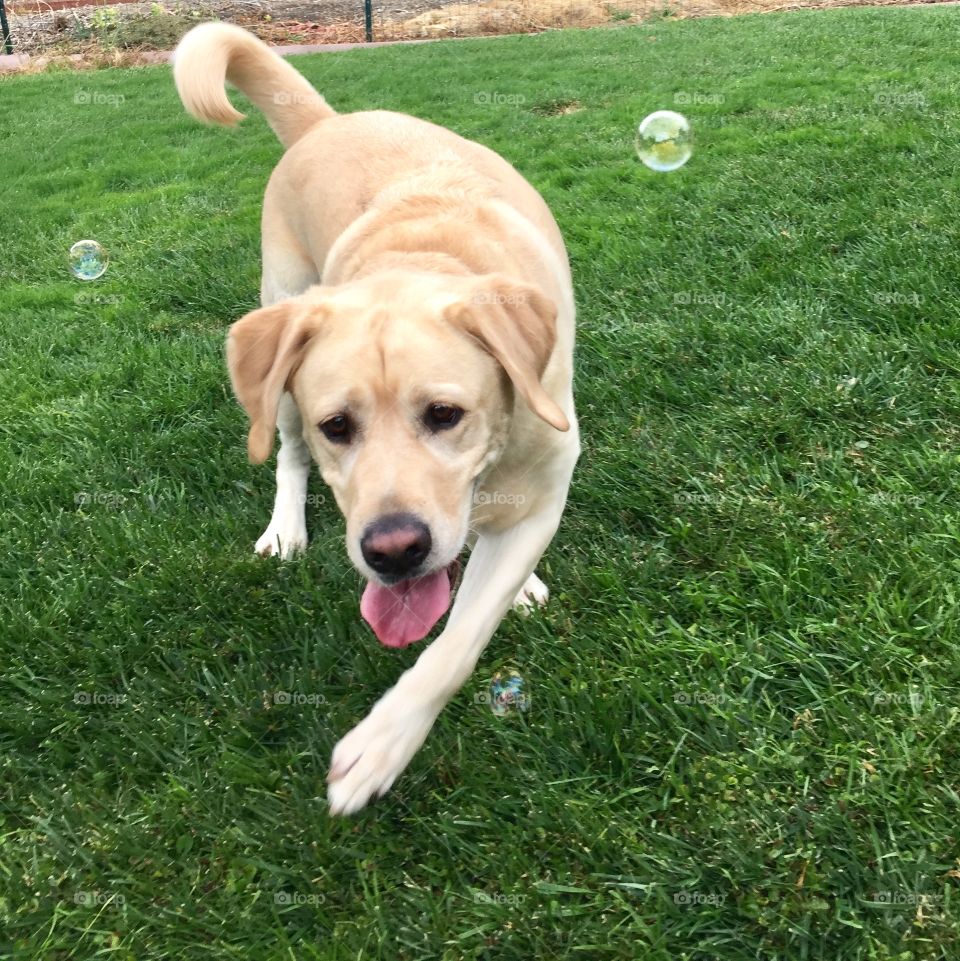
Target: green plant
104	19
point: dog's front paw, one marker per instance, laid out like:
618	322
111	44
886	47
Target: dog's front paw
369	759
534	593
283	540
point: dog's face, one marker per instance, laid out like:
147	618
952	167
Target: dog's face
403	383
402	413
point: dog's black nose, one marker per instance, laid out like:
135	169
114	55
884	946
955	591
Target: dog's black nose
396	545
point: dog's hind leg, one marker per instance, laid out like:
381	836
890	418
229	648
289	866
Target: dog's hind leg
286	533
285	276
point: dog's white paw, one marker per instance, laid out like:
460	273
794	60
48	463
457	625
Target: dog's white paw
369	759
283	539
534	593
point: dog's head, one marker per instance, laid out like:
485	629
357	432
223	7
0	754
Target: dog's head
405	384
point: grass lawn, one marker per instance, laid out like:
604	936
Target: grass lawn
742	741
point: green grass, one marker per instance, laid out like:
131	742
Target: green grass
742	741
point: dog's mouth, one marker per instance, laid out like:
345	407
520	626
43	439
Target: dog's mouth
407	611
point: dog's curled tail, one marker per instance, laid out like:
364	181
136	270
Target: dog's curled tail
214	53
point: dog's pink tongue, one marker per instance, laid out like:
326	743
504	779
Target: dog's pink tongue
405	612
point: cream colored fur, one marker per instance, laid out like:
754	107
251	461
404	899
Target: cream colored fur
403	267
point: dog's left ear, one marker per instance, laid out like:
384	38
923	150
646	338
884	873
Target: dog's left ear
517	324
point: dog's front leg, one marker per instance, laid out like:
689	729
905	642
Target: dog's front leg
368	760
286	534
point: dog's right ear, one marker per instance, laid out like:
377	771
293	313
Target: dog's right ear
263	350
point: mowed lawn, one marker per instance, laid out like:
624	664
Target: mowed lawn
742	741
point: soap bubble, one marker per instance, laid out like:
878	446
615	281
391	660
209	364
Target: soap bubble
664	141
88	260
507	694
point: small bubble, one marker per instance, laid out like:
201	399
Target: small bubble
506	694
88	260
664	141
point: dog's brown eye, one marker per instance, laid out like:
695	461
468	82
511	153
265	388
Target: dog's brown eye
442	416
338	429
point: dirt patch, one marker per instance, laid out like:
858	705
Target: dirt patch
111	33
559	108
71	26
530	16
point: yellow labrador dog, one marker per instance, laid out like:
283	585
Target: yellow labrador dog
416	340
